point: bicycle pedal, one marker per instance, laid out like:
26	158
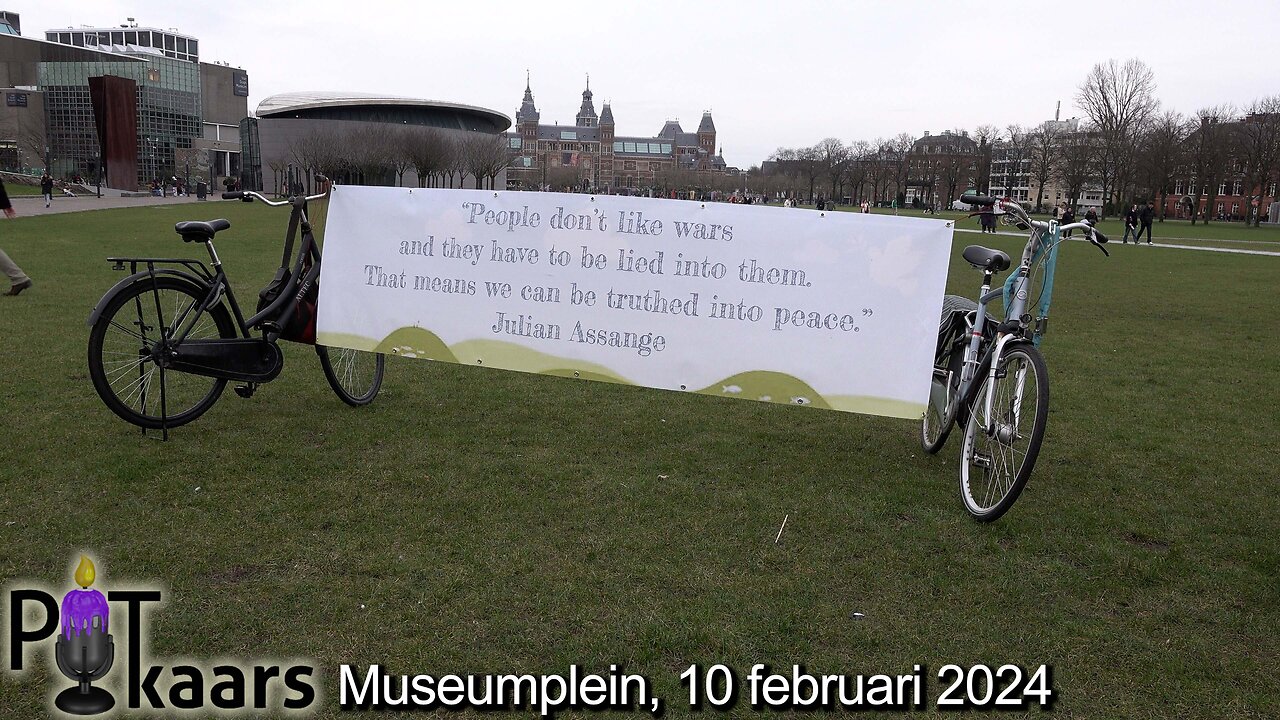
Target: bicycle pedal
981	460
246	391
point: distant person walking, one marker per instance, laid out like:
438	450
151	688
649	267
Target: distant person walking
46	188
1145	217
1091	216
18	279
1130	225
1068	217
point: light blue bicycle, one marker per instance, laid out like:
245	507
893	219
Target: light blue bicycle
990	376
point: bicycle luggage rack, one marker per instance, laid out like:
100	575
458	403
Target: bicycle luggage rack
195	266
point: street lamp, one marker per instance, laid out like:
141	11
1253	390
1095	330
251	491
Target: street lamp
99	164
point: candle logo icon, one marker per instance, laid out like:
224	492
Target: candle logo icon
84	650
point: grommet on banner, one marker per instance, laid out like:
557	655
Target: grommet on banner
683	387
593	198
822	214
704	206
495	194
575	374
479	361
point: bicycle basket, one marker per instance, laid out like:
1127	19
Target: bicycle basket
300	325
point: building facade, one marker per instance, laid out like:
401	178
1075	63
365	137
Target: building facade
941	167
128	103
294	135
590	155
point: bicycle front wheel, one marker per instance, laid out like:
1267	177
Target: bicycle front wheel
1001	445
354	375
122	353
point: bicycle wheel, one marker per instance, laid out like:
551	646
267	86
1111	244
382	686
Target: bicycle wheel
1000	447
946	379
354	375
122	353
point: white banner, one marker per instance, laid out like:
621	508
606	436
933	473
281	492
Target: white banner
836	310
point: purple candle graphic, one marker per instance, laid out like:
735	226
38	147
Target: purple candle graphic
84	650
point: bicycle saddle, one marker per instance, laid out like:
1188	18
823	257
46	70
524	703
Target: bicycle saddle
986	258
199	230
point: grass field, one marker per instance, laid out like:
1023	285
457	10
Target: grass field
474	520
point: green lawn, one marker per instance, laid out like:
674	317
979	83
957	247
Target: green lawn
477	520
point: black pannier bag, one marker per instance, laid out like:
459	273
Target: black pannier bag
300	325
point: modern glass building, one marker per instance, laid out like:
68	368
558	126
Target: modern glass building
129	103
168	105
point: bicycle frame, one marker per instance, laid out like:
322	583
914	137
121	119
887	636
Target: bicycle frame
219	285
1043	243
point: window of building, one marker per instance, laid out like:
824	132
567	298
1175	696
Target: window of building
566	159
1235	190
666	148
629	165
1177	188
628	147
1272	191
1235	208
1222	189
515	143
1219	208
617	146
131	37
568	135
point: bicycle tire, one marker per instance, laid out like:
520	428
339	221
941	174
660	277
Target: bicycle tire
116	350
347	379
933	430
989	443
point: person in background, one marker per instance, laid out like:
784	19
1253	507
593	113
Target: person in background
18	279
1145	217
1068	217
1130	225
46	188
1091	216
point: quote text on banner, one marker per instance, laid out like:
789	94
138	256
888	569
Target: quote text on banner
830	309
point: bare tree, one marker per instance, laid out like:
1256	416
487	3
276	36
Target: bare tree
987	136
1119	100
452	161
829	158
810	164
1257	147
898	154
398	152
485	156
1160	155
425	148
366	150
1207	147
1075	167
1044	148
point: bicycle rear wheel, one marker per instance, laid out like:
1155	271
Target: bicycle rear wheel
1000	447
122	353
934	429
354	375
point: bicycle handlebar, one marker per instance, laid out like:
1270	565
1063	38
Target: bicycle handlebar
249	195
1095	235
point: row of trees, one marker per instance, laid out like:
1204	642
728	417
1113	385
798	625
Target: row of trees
376	154
1126	146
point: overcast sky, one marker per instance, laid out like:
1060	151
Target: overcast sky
783	73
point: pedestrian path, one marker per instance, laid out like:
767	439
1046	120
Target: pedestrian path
1162	244
30	205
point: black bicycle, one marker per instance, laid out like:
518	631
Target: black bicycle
166	340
